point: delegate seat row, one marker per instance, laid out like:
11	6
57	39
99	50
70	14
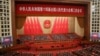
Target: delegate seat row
52	37
93	50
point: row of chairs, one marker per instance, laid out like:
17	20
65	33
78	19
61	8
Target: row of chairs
54	37
93	50
89	51
59	37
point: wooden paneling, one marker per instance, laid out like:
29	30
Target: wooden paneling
13	21
87	23
59	1
20	22
81	21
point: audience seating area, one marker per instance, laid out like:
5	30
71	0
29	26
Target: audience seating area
91	50
83	50
49	41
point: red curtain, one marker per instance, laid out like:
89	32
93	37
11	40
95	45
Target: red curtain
60	25
32	26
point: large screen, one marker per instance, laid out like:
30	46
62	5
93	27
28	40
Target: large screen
95	37
6	41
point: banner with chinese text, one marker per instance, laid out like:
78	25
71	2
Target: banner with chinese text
50	9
